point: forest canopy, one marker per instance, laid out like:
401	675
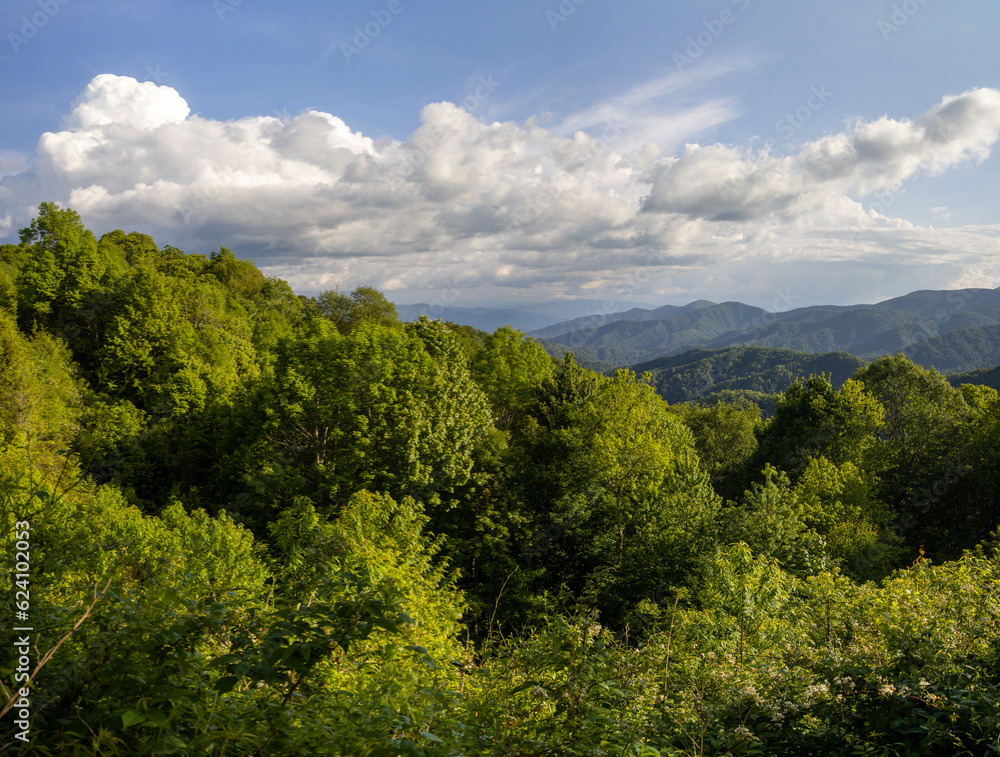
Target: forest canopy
261	523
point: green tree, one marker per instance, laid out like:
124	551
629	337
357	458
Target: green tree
143	335
40	396
841	504
510	368
241	277
922	413
134	248
615	486
772	522
751	589
14	403
371	409
363	305
61	267
8	292
968	509
725	437
919	459
812	418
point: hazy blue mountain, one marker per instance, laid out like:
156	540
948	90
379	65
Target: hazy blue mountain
527	318
583	357
628	342
599	318
874	330
952	330
486	319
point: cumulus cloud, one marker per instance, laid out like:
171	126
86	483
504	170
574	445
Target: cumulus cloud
727	183
504	205
110	99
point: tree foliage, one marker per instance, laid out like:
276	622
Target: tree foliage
259	524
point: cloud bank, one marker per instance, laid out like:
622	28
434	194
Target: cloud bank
509	206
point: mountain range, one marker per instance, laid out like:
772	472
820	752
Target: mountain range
523	317
954	331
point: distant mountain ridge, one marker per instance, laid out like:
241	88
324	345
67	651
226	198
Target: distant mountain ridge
599	319
528	317
485	319
953	330
626	342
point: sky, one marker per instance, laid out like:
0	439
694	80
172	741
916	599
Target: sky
631	153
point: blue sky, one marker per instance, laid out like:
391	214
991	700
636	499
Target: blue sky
778	153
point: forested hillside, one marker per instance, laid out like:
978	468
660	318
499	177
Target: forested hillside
635	314
696	374
986	377
760	374
239	521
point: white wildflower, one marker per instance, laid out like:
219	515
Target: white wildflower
817	689
539	692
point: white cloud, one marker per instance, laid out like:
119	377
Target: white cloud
110	99
730	183
645	113
505	206
12	163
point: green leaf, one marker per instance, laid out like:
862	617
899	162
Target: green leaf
157	717
132	717
169	744
431	737
226	684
